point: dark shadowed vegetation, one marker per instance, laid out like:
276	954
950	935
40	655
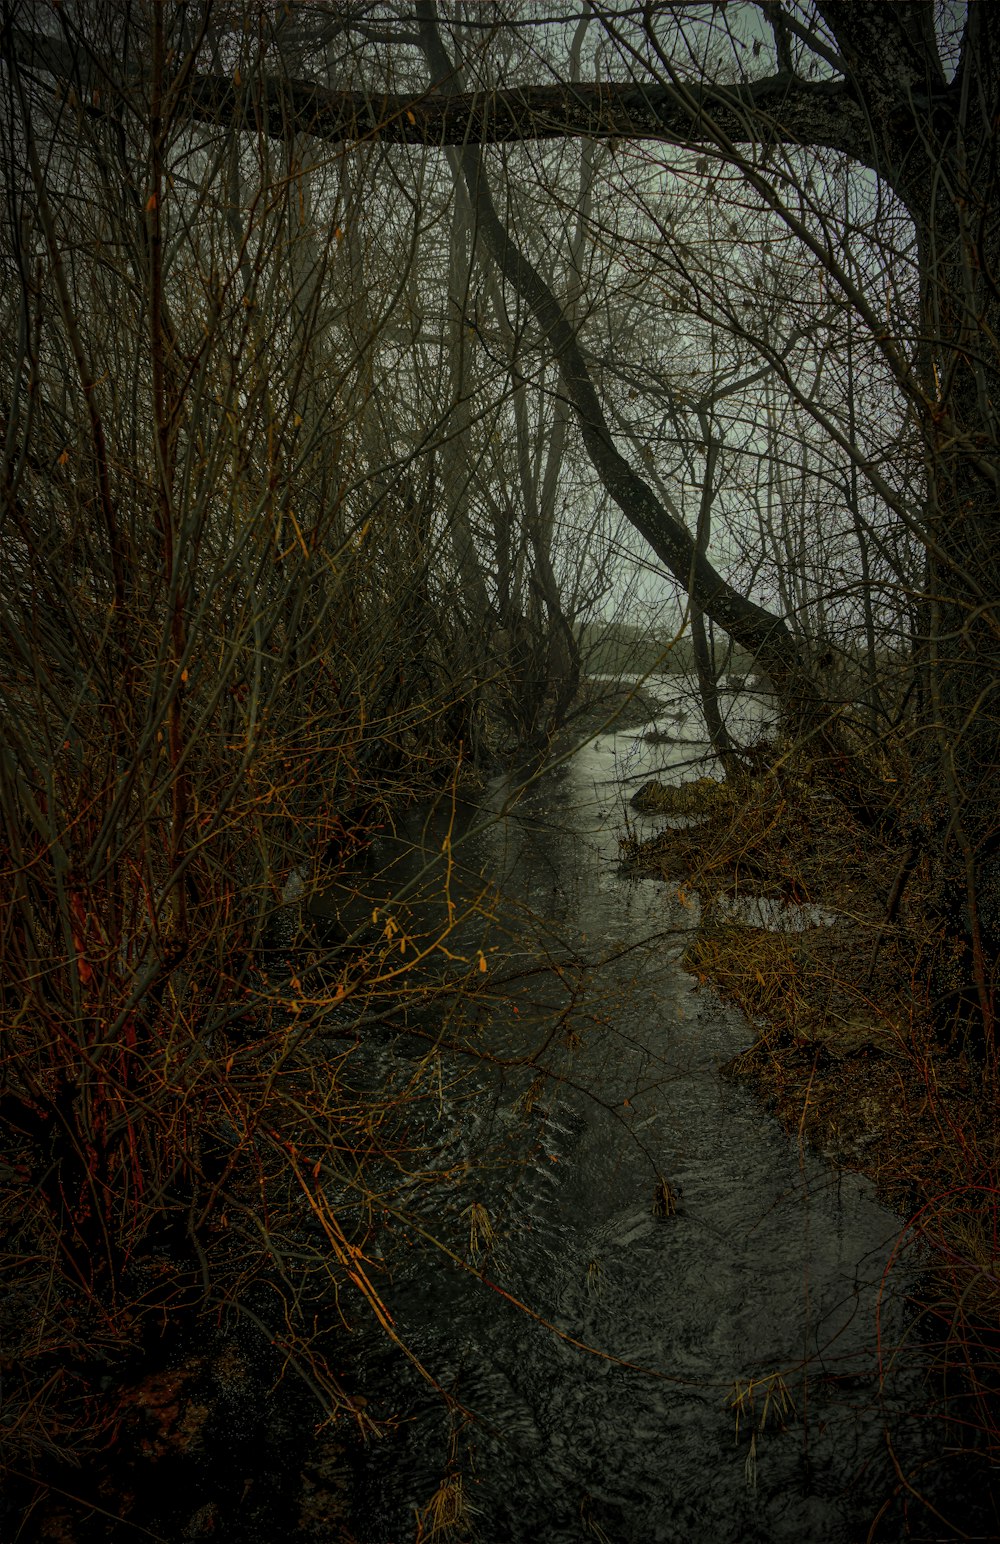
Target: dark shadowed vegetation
378	377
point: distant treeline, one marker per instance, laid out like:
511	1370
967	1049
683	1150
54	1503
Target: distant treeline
620	648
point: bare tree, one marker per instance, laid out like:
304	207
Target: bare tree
259	548
226	662
907	109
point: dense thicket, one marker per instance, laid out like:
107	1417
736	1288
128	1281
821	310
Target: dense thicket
360	356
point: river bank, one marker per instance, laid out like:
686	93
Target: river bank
772	1286
603	1365
793	929
819	936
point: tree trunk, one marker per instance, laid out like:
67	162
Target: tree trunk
935	143
759	631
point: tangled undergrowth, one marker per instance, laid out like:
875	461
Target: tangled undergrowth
822	930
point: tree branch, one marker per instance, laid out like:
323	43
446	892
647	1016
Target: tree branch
758	630
785	108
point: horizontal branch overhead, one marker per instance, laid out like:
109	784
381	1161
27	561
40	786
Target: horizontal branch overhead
600	111
781	108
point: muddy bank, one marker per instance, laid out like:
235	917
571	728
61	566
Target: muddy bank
795	930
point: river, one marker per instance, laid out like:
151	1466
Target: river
608	1410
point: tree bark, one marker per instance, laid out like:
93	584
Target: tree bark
763	634
945	171
815	112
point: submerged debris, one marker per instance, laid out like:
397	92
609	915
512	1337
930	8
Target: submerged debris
665	1199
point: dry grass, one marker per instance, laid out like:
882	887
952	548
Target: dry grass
778	836
665	1199
446	1515
761	1404
482	1235
846	1052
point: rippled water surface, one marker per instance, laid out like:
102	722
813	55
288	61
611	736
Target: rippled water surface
615	1418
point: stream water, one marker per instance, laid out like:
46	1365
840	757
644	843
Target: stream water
616	1418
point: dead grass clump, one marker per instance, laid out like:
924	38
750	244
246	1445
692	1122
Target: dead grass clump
750	967
446	1515
813	985
665	1199
844	1056
702	796
778	835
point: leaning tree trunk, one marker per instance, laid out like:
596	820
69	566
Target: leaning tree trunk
947	177
758	630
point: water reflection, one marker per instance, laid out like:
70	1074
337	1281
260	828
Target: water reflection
767	1288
